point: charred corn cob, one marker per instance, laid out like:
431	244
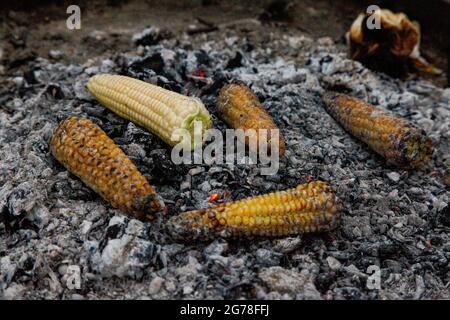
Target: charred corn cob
241	109
396	139
86	151
159	110
309	207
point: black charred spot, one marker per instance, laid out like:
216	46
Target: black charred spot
235	62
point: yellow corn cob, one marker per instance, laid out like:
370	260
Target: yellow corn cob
396	139
309	207
159	110
241	109
86	151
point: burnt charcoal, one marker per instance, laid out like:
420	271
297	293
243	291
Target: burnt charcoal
202	57
388	249
324	280
55	91
121	61
30	76
164	169
18	204
147	67
113	231
235	62
40	147
151	69
94	110
169	84
28	263
154	62
114	130
218	81
350	293
141	74
341	88
248	47
151	36
74	189
444	216
384	62
326	59
136	134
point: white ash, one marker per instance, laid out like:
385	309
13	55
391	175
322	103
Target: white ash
393	219
291	282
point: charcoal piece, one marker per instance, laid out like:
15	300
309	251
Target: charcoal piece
146	65
202	57
235	62
55	91
169	84
164	169
218	81
151	36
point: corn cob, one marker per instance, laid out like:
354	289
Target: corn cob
159	110
241	109
396	139
309	207
86	151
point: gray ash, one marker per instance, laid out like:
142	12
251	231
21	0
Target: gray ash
393	219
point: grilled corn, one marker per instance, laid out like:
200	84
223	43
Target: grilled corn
241	109
396	139
86	151
310	207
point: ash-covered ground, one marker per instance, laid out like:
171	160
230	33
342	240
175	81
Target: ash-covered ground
52	225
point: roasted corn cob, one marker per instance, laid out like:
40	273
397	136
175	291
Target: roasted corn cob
159	110
396	139
309	207
241	109
86	151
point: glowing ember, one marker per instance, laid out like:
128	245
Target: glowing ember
213	197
